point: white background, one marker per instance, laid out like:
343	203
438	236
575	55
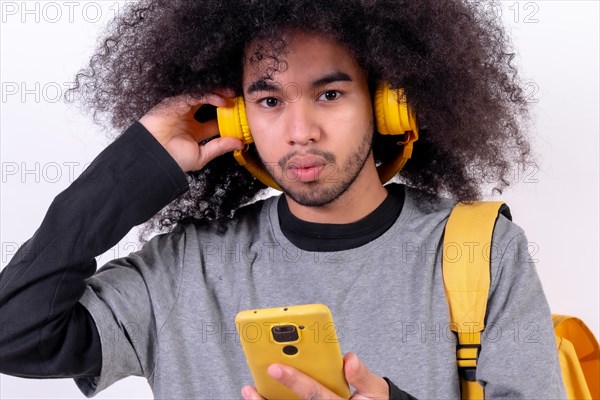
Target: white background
45	144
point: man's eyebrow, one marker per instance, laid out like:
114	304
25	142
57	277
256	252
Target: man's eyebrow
336	76
262	85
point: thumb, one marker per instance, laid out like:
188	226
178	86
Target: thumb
217	147
364	381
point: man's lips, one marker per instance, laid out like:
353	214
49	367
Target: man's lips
304	168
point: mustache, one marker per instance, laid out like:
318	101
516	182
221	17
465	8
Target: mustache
327	156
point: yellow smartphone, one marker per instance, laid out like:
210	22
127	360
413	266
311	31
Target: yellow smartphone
301	336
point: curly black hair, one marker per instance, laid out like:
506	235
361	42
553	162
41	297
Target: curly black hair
452	57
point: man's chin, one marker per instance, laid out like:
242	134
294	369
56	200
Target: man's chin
312	194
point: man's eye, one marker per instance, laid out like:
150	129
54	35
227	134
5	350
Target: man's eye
330	95
269	102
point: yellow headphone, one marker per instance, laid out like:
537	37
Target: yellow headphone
392	114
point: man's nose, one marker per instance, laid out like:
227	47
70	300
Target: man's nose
301	123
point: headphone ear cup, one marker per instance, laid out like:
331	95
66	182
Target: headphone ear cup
393	116
233	122
380	111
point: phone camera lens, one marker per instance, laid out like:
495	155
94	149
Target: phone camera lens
285	333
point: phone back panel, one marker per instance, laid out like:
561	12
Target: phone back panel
318	352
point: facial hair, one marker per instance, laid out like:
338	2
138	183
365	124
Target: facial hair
330	186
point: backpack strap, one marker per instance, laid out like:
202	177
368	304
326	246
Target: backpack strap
466	259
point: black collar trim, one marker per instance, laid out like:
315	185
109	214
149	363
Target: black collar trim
312	236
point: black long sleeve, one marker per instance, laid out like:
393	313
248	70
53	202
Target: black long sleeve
395	393
44	331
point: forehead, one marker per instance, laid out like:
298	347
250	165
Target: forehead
298	57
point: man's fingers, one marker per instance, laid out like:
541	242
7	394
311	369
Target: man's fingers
250	393
217	147
304	386
206	130
364	381
216	98
227	92
367	385
181	104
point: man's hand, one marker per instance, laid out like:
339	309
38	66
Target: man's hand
367	385
172	123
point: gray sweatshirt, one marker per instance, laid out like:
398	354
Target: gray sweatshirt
167	311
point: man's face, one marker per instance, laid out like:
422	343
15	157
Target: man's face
312	123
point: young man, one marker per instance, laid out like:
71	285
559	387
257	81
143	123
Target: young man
337	235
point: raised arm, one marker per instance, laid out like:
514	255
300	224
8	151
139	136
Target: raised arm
44	331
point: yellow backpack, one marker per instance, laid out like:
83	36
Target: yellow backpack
467	283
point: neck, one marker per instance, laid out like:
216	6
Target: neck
363	196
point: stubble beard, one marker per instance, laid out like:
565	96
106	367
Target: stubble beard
319	193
